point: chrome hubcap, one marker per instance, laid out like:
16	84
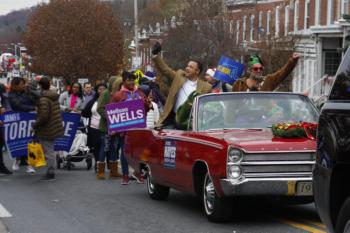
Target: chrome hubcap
209	195
150	185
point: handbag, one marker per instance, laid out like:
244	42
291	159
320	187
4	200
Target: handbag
36	157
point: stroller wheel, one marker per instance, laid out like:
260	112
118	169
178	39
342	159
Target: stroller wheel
69	163
58	161
88	163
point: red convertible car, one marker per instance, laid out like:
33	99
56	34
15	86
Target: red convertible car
229	150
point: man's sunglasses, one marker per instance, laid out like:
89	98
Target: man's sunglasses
258	69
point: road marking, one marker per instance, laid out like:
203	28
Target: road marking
4	213
316	223
302	226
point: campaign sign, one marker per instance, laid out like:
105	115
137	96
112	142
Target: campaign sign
228	70
125	115
71	123
18	132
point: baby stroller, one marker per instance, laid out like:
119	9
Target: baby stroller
78	152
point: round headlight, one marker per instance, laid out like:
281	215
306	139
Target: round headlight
235	156
234	172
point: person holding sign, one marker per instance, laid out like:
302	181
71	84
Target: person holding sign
128	92
182	84
257	82
48	125
217	85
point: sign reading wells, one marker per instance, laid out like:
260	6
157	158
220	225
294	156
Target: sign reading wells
125	115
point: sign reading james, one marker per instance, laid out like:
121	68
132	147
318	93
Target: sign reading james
126	115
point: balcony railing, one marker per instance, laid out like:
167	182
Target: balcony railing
240	2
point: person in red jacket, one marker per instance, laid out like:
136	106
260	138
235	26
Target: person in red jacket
129	91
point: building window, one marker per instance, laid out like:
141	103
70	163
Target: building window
244	27
268	19
332	59
344	7
329	12
252	17
237	31
260	28
307	14
296	15
286	20
277	21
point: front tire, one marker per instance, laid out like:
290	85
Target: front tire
216	209
156	191
343	220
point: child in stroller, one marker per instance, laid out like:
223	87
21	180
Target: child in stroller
78	151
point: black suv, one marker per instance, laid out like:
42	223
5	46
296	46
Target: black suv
332	169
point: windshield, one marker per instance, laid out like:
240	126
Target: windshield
252	110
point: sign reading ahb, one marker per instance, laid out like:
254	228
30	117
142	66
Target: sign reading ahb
228	70
126	115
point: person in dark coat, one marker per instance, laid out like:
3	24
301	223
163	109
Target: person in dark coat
3	168
48	125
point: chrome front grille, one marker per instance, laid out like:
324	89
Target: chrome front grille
278	165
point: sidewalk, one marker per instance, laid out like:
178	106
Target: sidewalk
3	228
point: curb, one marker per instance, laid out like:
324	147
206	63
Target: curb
3	228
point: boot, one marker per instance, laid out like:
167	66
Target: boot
101	170
114	170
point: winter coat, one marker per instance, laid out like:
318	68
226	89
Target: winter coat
49	123
64	100
271	81
177	79
105	98
20	102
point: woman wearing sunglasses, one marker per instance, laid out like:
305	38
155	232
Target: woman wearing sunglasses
257	82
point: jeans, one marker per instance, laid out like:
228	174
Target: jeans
123	161
108	146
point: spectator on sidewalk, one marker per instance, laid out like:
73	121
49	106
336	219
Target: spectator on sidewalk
72	100
217	85
3	168
48	125
88	94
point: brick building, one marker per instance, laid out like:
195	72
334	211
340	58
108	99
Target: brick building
318	25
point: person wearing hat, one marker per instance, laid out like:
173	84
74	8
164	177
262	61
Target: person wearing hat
217	85
182	83
257	82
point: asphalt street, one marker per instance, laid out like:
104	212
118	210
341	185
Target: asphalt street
78	203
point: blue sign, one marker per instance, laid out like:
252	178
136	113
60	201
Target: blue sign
17	130
71	123
228	70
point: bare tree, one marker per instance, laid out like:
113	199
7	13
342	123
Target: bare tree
73	39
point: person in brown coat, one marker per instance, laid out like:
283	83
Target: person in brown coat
182	84
257	82
48	125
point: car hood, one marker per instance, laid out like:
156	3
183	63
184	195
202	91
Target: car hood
262	140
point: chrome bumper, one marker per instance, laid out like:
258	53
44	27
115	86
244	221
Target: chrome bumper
266	187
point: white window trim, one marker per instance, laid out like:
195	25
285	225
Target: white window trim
307	6
296	15
237	31
344	5
286	20
277	21
268	20
329	12
252	18
260	24
244	28
317	12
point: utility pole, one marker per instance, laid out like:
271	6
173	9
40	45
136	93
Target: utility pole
136	30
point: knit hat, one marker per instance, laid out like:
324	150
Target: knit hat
255	59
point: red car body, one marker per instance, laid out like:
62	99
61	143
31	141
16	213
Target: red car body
181	159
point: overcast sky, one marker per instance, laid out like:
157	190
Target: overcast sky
7	6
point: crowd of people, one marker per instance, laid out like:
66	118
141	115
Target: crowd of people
164	95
